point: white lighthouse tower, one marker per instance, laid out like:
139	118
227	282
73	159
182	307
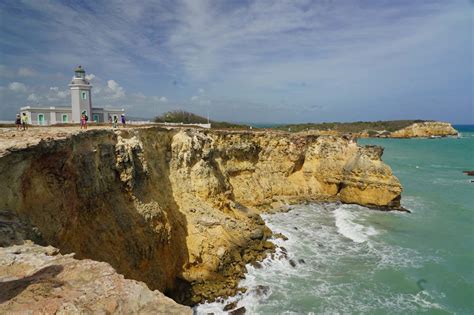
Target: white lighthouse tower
80	95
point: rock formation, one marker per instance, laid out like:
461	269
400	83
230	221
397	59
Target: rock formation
179	209
425	129
39	280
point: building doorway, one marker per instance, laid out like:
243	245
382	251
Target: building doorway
65	118
41	119
95	118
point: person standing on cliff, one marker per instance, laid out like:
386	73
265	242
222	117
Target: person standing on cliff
24	121
114	124
84	119
18	121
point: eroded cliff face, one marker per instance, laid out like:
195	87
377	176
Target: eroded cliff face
425	129
266	170
179	209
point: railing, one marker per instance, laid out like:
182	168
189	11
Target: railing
139	122
148	122
131	122
206	126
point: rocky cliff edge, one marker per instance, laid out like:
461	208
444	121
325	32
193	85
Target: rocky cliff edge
179	209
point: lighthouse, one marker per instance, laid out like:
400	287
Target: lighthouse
80	94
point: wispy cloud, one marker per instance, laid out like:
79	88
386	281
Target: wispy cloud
17	87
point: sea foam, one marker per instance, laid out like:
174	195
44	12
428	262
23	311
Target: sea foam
339	256
346	225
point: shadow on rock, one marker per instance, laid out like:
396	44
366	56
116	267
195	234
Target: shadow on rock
10	289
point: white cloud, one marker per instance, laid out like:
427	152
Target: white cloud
33	97
201	91
26	72
90	76
162	99
55	94
139	95
17	87
116	89
113	85
201	99
63	94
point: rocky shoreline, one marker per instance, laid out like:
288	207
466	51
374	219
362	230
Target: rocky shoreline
178	209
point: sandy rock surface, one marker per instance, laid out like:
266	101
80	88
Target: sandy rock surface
39	280
12	139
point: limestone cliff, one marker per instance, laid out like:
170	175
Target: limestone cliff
179	209
425	129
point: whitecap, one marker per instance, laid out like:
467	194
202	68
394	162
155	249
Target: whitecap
346	225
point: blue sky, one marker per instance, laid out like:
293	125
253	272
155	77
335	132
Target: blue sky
249	61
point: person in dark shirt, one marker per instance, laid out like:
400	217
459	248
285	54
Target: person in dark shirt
18	122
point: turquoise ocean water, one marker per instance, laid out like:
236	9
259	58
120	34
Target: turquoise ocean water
352	260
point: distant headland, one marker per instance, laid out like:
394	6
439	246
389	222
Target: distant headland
378	129
362	129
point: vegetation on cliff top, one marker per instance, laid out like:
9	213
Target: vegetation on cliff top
358	126
181	116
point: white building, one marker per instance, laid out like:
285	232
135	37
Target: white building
81	101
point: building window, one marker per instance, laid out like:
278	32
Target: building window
84	95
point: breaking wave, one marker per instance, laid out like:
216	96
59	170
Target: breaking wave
347	226
334	261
